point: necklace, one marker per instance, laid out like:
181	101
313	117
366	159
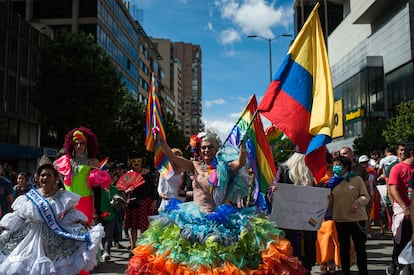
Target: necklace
210	171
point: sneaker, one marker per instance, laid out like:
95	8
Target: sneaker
106	257
390	270
120	246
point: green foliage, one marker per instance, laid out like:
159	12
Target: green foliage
77	85
371	140
283	150
401	127
129	135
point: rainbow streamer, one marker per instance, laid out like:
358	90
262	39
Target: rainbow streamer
259	153
102	164
154	119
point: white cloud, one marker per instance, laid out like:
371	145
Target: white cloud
220	127
253	17
210	27
210	103
229	36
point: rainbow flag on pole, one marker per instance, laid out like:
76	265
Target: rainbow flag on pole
154	119
259	154
300	100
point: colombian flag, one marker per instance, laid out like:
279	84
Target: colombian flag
299	100
258	149
154	119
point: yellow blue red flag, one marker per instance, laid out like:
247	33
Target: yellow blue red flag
299	100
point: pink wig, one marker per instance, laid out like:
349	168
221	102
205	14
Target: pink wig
91	141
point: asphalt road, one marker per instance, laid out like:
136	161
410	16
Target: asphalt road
379	250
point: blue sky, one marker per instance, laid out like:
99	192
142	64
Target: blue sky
234	67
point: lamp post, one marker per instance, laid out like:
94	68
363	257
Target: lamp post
269	40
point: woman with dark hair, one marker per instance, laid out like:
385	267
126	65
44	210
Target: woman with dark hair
348	200
46	233
22	184
142	200
81	171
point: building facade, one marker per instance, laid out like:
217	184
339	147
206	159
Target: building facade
190	58
19	127
370	48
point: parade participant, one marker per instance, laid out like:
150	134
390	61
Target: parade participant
400	182
46	233
295	171
327	244
168	188
80	169
6	193
210	234
142	200
348	200
22	185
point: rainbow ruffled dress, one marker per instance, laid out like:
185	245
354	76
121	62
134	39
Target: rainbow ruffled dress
228	241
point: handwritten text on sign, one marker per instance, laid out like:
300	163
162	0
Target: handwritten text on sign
299	207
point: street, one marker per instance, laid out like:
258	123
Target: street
379	250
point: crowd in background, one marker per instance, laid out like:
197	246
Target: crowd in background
124	213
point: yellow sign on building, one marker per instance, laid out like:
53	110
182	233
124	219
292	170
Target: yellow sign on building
338	129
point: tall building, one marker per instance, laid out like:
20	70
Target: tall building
190	57
370	50
172	77
19	127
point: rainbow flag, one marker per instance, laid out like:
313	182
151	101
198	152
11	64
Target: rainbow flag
299	100
259	154
154	119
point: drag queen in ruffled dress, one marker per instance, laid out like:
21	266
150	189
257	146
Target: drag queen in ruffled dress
45	234
213	234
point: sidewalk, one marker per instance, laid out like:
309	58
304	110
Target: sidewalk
379	250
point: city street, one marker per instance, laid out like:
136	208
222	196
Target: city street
379	255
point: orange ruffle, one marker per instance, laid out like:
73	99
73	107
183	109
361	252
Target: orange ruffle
277	259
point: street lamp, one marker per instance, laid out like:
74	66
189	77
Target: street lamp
269	40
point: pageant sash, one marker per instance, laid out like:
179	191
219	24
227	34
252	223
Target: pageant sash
49	217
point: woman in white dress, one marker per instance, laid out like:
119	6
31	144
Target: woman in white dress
45	234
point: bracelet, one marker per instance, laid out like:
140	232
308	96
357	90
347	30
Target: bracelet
242	149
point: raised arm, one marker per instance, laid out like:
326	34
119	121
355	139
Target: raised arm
235	165
178	162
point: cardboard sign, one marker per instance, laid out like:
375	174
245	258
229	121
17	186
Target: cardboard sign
299	207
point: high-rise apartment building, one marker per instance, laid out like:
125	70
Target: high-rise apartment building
171	77
190	57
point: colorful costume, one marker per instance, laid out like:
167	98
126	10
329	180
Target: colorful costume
30	246
79	176
189	239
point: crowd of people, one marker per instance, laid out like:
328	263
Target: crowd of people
194	219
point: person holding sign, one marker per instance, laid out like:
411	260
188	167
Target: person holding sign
46	233
348	200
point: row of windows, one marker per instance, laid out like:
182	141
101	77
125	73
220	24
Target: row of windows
117	54
120	15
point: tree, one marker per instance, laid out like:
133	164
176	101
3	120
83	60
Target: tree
128	134
400	128
371	139
77	85
283	150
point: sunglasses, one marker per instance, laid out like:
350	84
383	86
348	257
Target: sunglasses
207	147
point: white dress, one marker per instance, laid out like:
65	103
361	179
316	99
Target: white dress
169	187
29	246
